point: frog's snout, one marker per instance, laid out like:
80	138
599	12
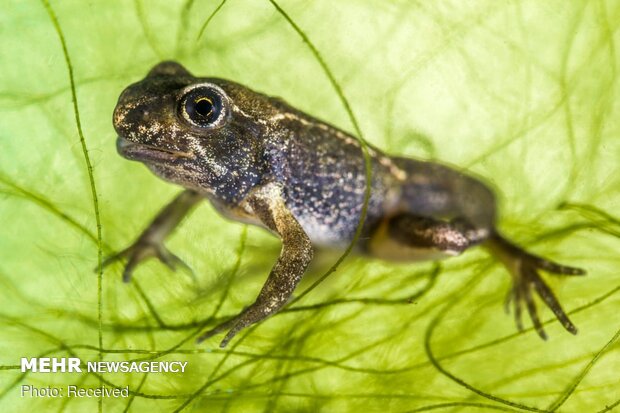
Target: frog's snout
127	119
132	114
118	118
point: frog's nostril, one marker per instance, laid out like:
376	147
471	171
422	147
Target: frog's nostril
140	116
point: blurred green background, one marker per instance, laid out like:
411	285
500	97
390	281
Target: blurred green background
523	93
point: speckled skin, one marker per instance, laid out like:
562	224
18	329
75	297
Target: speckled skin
263	162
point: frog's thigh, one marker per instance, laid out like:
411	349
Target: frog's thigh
408	237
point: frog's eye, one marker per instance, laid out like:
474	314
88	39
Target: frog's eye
202	107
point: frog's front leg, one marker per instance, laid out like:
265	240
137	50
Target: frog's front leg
268	206
151	242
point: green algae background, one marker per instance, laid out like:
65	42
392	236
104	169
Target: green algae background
523	93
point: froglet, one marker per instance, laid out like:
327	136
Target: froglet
260	161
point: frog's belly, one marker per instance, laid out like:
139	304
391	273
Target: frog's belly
326	234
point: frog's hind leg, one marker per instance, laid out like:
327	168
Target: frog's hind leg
409	237
523	268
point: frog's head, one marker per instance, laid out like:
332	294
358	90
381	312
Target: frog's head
202	133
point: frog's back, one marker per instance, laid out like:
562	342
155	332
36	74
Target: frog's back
322	171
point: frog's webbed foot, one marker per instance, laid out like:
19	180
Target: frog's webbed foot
268	205
151	242
249	316
524	268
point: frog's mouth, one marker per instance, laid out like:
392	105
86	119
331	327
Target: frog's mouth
142	152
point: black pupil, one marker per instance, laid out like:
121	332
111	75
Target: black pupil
203	107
